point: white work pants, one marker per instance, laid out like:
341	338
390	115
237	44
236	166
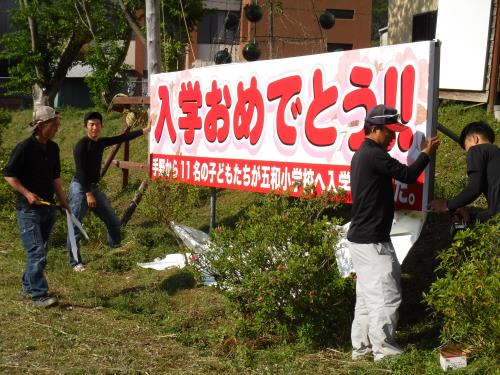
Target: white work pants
378	296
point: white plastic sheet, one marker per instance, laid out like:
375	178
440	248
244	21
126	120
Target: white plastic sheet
405	231
176	260
196	241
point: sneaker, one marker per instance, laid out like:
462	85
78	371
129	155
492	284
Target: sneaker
45	301
24	294
79	267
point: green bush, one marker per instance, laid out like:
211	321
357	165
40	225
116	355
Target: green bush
278	266
7	194
5	119
166	201
7	197
466	295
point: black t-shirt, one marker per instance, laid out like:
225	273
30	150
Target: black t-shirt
88	156
372	171
483	170
35	165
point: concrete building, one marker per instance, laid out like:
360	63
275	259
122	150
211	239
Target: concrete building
407	16
470	36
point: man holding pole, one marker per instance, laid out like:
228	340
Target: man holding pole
84	192
483	172
378	289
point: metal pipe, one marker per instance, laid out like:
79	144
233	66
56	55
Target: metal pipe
449	133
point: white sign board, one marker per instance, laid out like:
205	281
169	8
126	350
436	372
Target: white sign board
463	29
287	123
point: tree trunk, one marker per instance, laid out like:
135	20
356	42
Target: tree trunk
133	25
40	96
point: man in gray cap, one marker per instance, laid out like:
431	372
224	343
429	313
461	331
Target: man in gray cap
378	289
33	170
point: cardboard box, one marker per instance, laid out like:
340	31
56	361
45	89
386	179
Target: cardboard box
452	357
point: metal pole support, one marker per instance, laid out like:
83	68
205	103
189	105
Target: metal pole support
449	133
213	201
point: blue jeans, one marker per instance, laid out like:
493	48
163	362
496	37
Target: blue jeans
103	210
35	224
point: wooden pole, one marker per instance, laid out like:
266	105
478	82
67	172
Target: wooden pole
495	62
271	27
134	203
112	154
126	155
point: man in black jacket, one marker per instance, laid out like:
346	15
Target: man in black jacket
33	170
378	290
84	192
483	171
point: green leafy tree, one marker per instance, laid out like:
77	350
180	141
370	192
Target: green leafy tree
50	37
46	43
379	16
111	36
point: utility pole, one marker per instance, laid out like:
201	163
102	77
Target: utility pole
153	37
153	54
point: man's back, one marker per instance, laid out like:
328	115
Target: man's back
483	170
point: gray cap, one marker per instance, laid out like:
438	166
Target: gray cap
383	115
41	114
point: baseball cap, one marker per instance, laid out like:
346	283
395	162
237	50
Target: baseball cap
383	115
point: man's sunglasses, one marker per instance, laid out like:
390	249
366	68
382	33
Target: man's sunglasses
396	117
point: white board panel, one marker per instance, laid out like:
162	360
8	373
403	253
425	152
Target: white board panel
463	28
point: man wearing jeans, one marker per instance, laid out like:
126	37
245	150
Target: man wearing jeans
33	170
378	289
84	192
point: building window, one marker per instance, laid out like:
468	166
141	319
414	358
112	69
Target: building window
342	14
424	26
212	30
336	47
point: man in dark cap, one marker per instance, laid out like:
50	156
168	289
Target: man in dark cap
33	170
378	289
84	192
483	171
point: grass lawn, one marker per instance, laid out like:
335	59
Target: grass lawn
117	318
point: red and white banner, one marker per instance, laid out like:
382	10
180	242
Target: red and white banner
287	123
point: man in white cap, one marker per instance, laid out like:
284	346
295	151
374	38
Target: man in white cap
33	170
378	289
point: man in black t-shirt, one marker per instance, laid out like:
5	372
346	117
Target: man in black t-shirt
378	289
483	171
84	192
33	170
